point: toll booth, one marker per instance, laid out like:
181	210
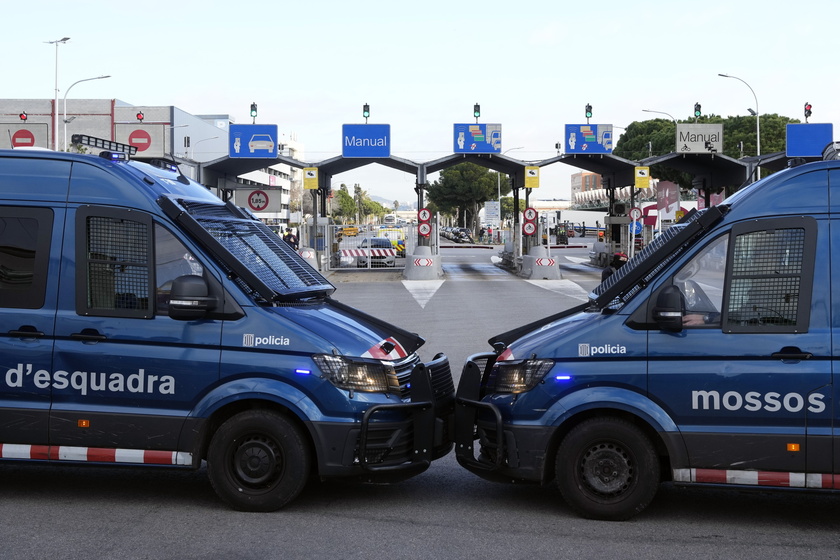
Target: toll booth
617	230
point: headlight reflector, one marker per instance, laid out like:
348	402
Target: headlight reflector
357	374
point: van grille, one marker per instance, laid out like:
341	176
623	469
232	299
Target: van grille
389	443
439	371
404	370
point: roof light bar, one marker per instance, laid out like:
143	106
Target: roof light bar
94	142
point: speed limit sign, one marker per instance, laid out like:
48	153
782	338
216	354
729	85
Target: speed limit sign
529	228
424	229
530	214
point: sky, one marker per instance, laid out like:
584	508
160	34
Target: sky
531	65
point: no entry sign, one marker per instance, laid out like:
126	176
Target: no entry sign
23	139
140	139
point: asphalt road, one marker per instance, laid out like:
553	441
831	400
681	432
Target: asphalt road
446	512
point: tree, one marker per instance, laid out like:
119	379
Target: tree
462	189
372	208
507	206
346	207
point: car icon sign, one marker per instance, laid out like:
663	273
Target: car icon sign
261	142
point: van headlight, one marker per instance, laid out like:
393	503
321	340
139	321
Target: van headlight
357	374
518	376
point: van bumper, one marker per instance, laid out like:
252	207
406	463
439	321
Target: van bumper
506	452
393	441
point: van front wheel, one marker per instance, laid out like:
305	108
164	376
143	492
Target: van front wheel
257	461
607	469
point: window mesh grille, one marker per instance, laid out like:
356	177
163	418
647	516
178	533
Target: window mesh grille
766	276
118	264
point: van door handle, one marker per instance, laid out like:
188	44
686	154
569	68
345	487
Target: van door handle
792	354
26	331
89	335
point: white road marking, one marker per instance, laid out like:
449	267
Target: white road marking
564	287
422	290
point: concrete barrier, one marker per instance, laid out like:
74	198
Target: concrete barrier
537	265
308	254
422	265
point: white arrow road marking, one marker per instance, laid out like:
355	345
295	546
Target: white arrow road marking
422	290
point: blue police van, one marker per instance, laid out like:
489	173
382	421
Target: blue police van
146	322
709	358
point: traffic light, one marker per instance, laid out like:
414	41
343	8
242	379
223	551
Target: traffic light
23	116
476	110
697	111
588	111
365	110
253	110
807	109
140	116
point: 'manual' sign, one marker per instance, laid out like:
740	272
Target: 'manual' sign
366	140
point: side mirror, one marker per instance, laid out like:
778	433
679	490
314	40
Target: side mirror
669	309
189	299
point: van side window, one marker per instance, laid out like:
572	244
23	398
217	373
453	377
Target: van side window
769	287
172	260
701	283
25	236
114	263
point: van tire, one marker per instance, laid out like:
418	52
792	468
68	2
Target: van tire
607	469
258	461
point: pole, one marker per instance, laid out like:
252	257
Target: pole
55	106
499	189
65	103
192	148
660	112
757	113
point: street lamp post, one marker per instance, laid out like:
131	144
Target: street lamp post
55	107
192	155
756	113
65	103
661	113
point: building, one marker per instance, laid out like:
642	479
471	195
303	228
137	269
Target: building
199	144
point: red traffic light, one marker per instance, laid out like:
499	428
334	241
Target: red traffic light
23	116
140	116
807	109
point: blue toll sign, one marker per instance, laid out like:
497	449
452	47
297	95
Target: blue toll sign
589	138
253	141
366	140
477	138
808	140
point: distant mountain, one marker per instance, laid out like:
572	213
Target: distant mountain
389	203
